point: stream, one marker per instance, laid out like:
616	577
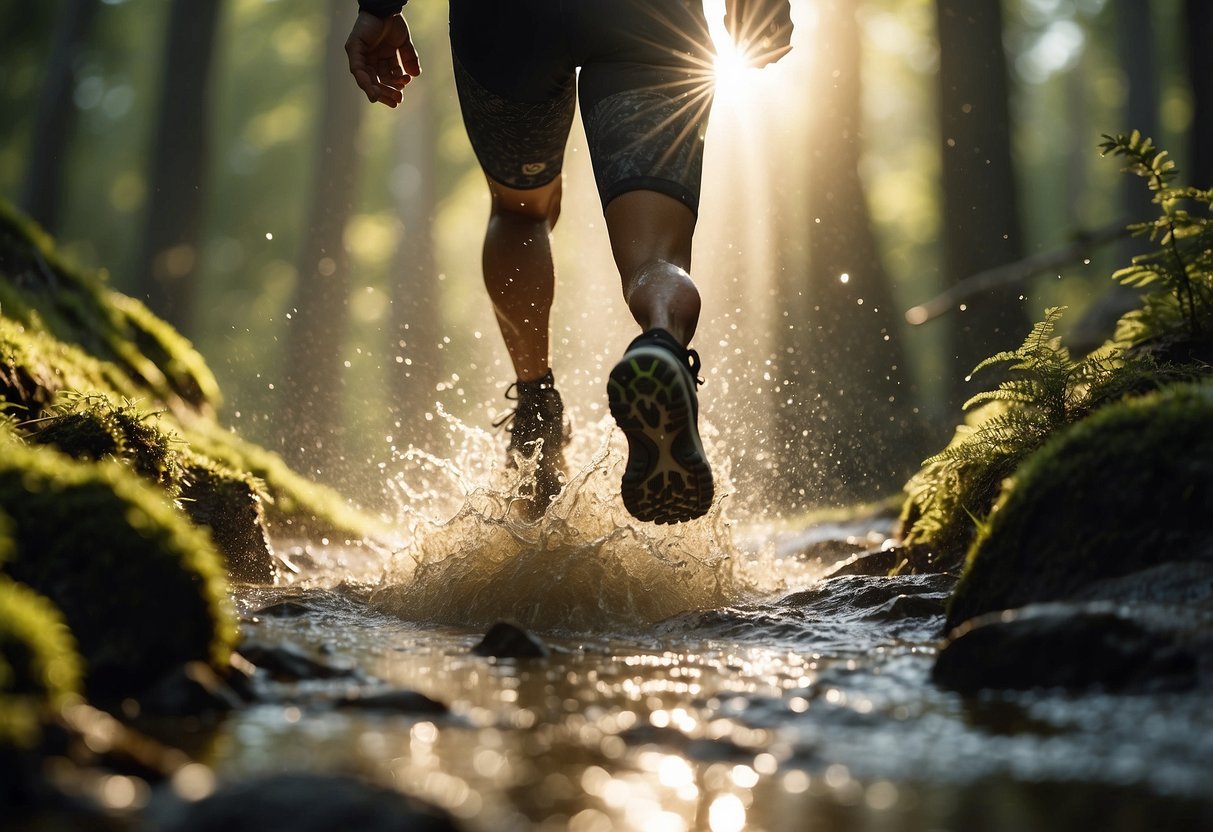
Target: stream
781	701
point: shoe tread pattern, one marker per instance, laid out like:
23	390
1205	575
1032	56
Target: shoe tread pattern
667	478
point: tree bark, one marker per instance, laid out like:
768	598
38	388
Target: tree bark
980	204
1198	17
55	120
849	391
167	269
314	384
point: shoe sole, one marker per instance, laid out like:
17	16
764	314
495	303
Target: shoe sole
667	479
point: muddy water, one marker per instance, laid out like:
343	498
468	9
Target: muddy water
700	678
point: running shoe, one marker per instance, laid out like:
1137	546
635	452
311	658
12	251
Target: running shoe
537	426
653	399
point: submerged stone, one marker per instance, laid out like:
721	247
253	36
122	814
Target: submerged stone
290	663
509	641
397	701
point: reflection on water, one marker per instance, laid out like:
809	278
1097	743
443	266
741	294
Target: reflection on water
700	678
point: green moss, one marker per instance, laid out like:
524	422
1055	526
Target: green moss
35	368
92	428
45	293
39	666
1123	490
142	589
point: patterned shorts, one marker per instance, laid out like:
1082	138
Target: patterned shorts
644	84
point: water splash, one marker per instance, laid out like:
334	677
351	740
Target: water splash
586	566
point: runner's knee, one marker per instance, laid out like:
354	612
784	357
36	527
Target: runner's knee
542	203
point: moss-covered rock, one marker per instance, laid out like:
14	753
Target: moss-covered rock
231	505
46	294
39	665
94	429
141	588
1127	488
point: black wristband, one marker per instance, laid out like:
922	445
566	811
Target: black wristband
382	8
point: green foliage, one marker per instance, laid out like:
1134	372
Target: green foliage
39	665
1178	275
1114	494
1044	390
142	589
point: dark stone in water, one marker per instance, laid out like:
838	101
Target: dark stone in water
509	641
190	690
284	609
1071	646
301	803
703	750
398	701
875	562
290	663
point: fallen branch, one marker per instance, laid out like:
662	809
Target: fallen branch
1017	272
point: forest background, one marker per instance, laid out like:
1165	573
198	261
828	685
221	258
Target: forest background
215	158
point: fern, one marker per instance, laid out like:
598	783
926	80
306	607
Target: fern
1178	275
1045	389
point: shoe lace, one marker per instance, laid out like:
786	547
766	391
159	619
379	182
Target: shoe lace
513	393
506	419
696	366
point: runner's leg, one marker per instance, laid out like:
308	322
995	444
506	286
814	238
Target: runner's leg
518	270
651	239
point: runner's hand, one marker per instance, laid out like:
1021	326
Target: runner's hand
761	29
382	57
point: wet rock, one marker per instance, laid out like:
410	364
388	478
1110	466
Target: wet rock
863	596
1073	646
509	641
193	689
141	589
284	609
1113	495
1180	582
288	662
397	701
301	803
230	505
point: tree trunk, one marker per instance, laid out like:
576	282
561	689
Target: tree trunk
1135	45
853	400
980	205
314	379
55	121
167	269
1198	17
416	316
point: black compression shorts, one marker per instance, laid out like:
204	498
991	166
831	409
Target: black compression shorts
645	88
